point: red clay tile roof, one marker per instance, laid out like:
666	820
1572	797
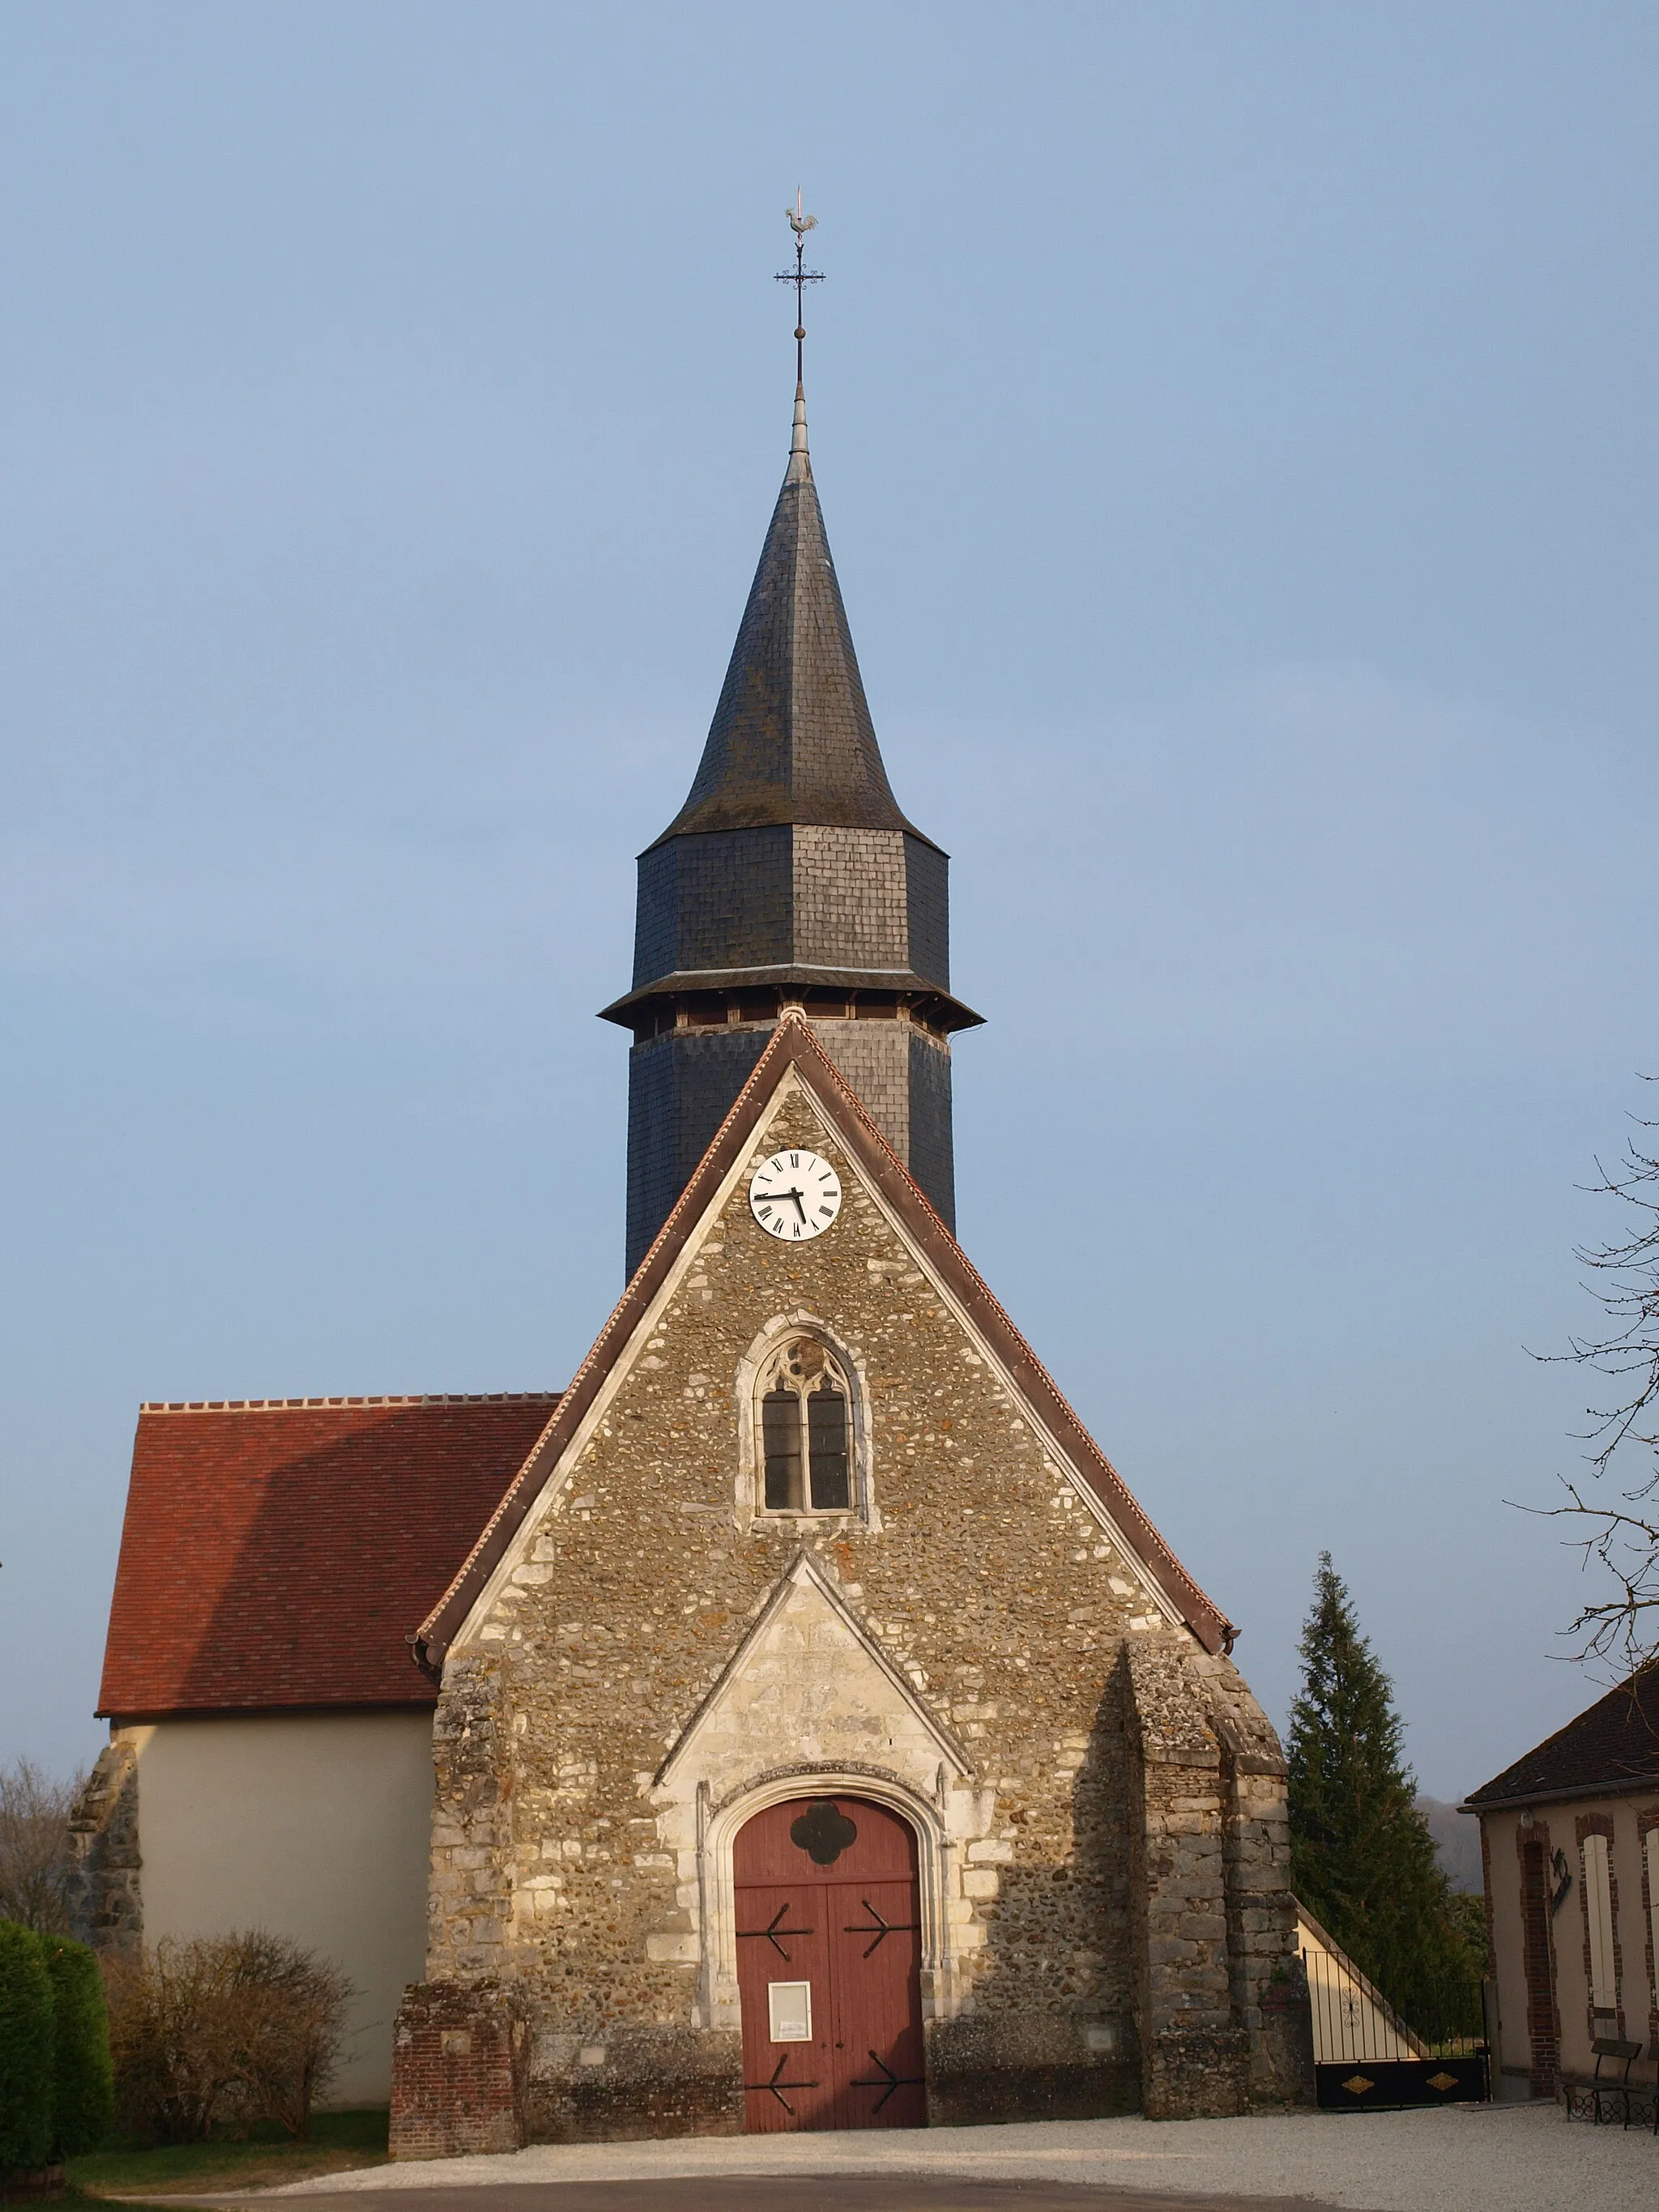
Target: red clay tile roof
279	1552
1613	1746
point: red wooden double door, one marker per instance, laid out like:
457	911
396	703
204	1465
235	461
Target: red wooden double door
829	1959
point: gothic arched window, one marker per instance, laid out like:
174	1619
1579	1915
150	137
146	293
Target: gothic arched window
806	1425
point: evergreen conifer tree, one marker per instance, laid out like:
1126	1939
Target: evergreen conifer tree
1362	1860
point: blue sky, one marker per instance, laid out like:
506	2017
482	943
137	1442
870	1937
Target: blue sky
1234	431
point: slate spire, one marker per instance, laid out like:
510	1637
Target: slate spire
791	740
789	878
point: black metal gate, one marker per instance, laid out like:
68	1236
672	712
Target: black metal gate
1382	2084
1367	2058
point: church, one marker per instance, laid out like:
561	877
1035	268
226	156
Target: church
794	1722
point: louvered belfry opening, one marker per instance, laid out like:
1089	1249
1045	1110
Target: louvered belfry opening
789	878
806	1432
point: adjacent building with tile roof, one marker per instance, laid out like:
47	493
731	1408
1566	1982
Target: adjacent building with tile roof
270	1736
1570	1850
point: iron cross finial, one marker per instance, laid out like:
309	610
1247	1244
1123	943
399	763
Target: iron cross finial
800	276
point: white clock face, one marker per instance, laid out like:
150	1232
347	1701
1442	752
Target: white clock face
795	1196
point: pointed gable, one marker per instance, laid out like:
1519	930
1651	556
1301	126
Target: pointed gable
808	1647
794	1056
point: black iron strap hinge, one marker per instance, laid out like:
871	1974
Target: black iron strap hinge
773	1930
777	2073
888	2082
879	1928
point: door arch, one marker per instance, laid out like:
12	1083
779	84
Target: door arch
829	1929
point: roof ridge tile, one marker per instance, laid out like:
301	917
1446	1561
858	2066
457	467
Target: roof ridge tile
317	1405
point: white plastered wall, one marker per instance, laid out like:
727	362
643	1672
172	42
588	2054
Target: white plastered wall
314	1826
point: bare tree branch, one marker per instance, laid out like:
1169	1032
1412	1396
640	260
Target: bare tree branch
1622	1628
35	1853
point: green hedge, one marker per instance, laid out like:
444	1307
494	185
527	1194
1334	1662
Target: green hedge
27	2040
56	2092
83	2098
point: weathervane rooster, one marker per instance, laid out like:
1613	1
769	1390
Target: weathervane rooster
800	275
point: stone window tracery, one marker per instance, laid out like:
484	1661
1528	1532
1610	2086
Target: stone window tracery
804	1404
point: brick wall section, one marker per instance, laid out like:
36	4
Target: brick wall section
1487	1896
569	1859
1645	1820
459	2066
105	1899
1543	2018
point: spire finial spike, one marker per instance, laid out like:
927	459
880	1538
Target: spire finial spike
800	276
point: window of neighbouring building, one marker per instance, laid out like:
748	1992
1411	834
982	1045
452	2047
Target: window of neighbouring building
1598	1913
1651	1845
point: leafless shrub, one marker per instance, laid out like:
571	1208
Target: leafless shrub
35	1866
290	2021
215	2033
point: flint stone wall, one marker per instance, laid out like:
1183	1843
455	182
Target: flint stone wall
580	1820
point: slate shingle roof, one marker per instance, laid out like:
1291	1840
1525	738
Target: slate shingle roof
278	1554
791	740
1612	1747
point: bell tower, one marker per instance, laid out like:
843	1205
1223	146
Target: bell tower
789	877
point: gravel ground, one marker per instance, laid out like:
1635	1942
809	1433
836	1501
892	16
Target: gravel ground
1469	2158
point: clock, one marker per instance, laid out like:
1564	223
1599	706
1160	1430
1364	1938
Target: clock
795	1196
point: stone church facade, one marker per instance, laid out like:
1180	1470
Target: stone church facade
821	1734
986	1640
